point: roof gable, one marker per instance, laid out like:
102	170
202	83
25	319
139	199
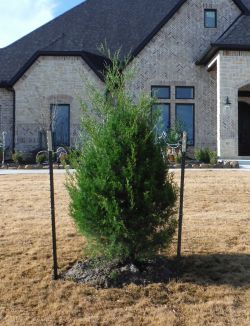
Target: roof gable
76	32
126	25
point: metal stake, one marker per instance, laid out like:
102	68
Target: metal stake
52	206
183	161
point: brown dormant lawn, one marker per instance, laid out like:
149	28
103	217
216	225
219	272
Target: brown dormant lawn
214	290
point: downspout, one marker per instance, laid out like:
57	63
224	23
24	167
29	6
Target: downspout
14	121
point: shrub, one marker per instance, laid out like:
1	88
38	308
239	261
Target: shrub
41	158
122	197
212	157
178	158
64	159
202	155
206	156
17	157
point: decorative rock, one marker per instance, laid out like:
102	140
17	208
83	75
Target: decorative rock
218	166
227	164
205	166
234	164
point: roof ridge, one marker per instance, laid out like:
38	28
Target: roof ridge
54	41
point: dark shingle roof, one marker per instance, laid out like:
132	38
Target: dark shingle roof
125	24
237	36
122	24
246	3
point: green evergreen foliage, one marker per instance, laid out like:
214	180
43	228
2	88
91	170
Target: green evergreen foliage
206	156
41	158
17	157
213	157
122	196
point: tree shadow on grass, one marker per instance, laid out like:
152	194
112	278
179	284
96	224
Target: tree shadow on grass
216	269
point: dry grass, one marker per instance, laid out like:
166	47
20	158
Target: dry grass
215	289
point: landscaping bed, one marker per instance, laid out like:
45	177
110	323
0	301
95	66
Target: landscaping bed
190	164
13	166
200	165
101	273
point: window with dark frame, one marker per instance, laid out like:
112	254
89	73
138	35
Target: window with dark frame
60	124
210	18
184	93
160	92
163	117
184	115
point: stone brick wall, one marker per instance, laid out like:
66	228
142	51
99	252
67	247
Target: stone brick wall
169	59
50	80
6	115
233	72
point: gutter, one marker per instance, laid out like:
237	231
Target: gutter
36	55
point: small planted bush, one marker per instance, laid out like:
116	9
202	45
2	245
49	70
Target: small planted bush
213	157
17	157
178	158
42	157
64	159
206	156
122	197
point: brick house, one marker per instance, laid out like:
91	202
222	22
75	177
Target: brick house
194	55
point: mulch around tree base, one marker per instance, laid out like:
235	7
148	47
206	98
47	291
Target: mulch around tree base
113	274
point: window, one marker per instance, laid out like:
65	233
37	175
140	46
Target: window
210	18
184	93
160	92
184	115
60	124
163	115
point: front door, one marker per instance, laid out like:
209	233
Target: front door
244	129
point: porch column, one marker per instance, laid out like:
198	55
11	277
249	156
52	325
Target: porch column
227	115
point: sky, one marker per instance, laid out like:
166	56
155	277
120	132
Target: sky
19	17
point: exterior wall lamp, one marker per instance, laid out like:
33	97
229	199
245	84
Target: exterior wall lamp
227	103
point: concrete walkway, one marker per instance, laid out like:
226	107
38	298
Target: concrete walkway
34	171
62	171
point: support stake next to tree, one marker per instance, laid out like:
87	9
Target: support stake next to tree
183	161
52	205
